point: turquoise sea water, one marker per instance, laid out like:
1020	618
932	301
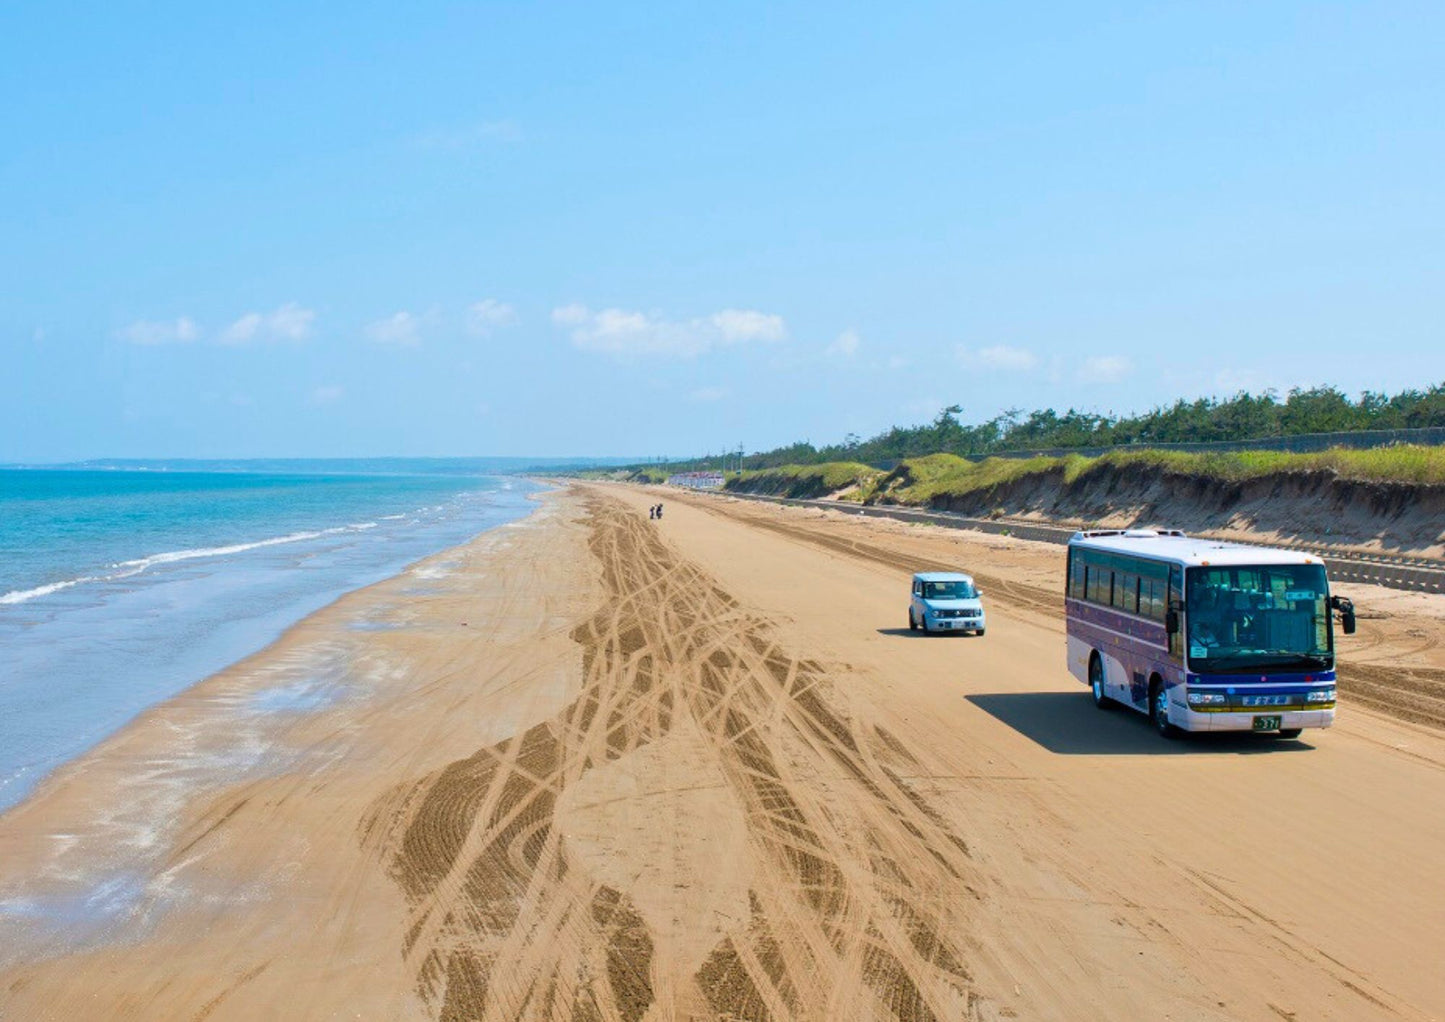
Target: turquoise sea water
120	588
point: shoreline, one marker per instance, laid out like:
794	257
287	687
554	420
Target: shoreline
90	853
279	638
82	664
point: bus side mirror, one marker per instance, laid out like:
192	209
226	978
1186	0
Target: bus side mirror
1347	613
1171	621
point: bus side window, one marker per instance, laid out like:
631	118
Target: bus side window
1123	583
1151	598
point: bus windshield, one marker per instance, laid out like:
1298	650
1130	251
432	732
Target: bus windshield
949	591
1247	618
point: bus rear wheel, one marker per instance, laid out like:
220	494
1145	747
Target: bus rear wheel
1096	682
1159	710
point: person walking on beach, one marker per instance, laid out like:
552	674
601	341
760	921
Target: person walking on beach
652	511
659	510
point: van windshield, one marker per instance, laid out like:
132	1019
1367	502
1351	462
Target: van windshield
949	591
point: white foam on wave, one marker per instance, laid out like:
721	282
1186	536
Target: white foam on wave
127	569
21	595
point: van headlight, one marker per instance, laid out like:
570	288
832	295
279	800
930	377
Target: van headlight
1321	695
1216	699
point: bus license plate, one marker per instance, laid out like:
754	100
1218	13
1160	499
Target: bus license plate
1266	723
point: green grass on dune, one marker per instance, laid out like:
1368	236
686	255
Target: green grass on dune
805	480
1400	463
926	479
919	480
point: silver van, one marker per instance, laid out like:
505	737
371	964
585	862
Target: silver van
946	601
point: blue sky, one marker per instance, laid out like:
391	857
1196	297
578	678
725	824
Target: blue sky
288	230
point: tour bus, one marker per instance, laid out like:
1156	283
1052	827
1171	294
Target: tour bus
1203	635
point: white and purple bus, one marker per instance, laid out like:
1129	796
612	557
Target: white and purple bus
1203	635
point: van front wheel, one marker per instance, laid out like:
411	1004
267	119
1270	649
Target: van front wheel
912	624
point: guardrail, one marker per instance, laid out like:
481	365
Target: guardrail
1418	574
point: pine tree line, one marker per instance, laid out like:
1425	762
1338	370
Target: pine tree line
1243	417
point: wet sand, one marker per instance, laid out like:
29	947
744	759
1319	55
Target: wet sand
595	767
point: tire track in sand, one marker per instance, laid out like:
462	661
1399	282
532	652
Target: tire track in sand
848	894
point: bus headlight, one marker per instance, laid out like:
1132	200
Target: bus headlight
1205	700
1321	695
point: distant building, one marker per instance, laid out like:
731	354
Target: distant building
697	480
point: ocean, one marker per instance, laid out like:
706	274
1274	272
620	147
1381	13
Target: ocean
119	589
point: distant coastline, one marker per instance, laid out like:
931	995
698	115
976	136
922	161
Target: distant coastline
471	466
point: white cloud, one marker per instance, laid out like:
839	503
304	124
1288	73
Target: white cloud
488	315
400	330
624	333
288	323
151	332
1105	369
327	394
703	394
746	325
999	356
570	315
845	345
243	330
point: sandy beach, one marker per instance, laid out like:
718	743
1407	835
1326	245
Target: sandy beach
590	766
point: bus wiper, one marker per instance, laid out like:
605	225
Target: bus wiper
1296	658
1298	654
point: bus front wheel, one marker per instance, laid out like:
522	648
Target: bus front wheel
1096	682
1159	710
